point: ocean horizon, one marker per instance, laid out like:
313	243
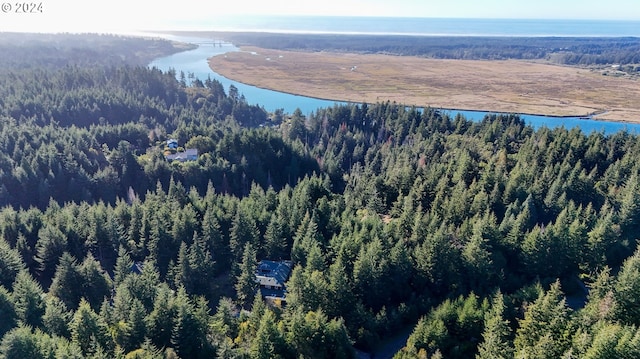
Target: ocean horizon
415	26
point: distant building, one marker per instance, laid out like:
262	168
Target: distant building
190	154
271	277
172	144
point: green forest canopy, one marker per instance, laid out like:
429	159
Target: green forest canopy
472	233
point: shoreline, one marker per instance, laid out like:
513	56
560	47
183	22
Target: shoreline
314	75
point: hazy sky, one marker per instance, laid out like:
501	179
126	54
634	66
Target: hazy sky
118	15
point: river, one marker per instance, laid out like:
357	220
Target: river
195	62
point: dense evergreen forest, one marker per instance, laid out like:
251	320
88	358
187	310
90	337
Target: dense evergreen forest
37	51
560	50
483	237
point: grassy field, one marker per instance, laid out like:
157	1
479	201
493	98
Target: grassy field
501	86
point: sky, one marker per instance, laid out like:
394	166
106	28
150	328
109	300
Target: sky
131	15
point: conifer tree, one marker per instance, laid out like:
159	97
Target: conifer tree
160	322
89	331
65	282
275	245
96	284
7	312
626	291
243	231
10	264
56	317
20	343
246	284
495	338
123	266
51	244
543	331
27	296
268	342
189	334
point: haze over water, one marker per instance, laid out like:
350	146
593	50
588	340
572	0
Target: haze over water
419	26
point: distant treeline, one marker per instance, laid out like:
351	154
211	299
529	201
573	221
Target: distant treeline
38	51
561	50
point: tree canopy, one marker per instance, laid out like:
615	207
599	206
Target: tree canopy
481	236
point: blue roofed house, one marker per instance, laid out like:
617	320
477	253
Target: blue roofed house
271	277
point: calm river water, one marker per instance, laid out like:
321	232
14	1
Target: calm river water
195	62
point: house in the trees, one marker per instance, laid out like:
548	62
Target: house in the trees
174	153
172	144
271	277
190	154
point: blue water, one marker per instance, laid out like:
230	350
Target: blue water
195	61
419	26
586	125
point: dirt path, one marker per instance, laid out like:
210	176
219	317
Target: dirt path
502	86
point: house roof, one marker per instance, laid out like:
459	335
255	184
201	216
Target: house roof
188	154
273	293
273	273
268	281
271	276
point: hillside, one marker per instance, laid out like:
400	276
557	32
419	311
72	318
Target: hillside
472	233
